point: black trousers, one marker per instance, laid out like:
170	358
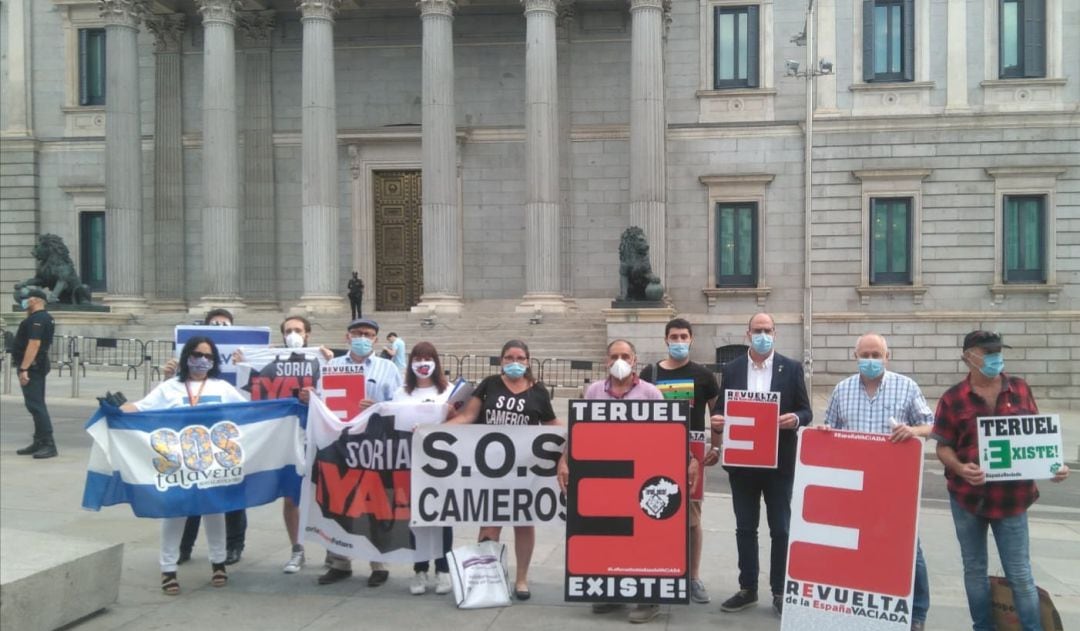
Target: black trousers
748	487
34	397
235	529
355	304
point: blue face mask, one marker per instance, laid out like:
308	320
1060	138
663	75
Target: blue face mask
199	365
515	370
871	368
361	346
993	364
24	303
678	350
761	343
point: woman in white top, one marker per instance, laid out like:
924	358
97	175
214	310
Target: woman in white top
425	382
196	383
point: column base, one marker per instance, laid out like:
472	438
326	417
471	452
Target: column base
233	303
439	303
329	304
168	305
542	303
262	305
126	304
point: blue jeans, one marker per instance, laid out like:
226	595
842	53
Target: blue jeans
748	487
1011	537
920	598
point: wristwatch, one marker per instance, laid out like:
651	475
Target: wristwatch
715	449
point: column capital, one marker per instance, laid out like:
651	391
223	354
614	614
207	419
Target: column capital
255	28
437	7
319	9
168	30
221	11
122	12
648	4
541	6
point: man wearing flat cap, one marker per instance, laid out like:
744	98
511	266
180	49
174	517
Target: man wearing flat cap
31	357
977	504
382	379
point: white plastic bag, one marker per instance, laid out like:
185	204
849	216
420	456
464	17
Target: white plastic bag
478	574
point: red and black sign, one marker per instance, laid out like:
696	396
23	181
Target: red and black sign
627	522
283	378
362	483
343	388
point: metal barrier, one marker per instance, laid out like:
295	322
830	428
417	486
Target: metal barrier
112	352
451	365
155	354
570	373
475	367
60	353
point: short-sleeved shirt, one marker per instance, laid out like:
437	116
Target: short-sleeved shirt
500	406
957	426
429	394
36	326
382	378
897	397
173	393
400	354
692	382
640	390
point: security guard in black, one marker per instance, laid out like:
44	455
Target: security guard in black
31	357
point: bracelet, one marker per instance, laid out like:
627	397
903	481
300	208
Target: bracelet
715	449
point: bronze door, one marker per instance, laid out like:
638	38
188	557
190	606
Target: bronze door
399	254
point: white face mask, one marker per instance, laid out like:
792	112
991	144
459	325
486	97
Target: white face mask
621	369
423	369
294	340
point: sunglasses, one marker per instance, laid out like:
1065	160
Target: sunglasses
198	355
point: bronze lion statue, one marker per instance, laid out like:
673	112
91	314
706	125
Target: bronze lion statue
54	272
637	282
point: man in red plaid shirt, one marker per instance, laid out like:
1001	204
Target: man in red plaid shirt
976	503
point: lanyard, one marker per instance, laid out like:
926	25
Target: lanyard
193	399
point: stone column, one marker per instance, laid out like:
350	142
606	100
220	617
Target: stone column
956	88
542	198
259	219
440	211
319	220
169	248
17	93
648	157
826	49
220	157
123	156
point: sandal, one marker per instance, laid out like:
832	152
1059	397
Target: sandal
219	578
169	585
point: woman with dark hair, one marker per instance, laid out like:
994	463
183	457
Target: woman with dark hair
196	383
512	398
425	382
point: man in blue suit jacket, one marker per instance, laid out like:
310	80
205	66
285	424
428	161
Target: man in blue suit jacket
763	370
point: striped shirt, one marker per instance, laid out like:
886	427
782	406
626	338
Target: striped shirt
897	397
381	375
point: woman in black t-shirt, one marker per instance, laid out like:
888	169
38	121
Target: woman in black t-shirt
512	398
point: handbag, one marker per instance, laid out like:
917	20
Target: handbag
478	575
1005	618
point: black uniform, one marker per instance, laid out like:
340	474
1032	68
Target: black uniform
37	326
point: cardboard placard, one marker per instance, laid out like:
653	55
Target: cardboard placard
1024	447
751	429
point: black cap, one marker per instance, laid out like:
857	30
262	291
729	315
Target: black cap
987	340
35	292
363	322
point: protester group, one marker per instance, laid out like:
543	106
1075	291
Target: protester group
872	400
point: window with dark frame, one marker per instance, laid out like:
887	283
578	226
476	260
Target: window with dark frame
888	40
92	66
890	241
92	249
736	244
735	47
1024	235
1021	39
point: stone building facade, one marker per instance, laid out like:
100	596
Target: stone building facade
254	153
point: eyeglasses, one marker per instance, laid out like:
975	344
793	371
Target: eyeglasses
368	334
198	355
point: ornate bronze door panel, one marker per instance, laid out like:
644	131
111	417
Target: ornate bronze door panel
399	254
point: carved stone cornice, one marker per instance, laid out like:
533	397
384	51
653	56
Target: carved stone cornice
122	12
355	168
221	11
436	7
168	30
319	9
546	6
254	28
567	11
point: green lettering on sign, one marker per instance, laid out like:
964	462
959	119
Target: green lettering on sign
999	454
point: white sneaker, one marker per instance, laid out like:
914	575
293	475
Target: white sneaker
296	561
418	583
442	583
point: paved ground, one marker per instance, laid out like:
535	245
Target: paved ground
44	496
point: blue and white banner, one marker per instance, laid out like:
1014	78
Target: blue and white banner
227	339
195	460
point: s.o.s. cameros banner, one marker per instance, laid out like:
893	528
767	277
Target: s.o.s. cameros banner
627	537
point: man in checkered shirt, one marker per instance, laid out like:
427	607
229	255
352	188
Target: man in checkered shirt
878	401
